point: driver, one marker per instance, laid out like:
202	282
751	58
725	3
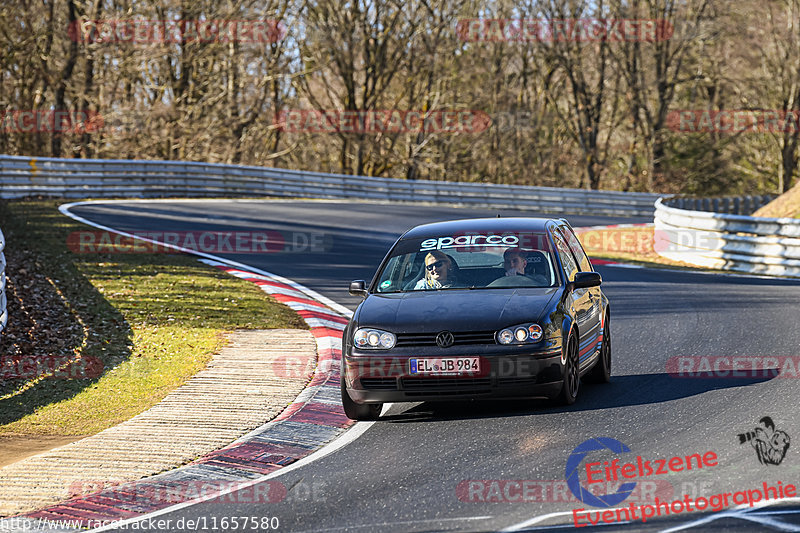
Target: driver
514	262
439	272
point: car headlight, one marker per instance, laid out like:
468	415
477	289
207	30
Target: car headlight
369	338
522	334
505	337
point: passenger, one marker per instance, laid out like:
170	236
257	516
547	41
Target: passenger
439	272
514	262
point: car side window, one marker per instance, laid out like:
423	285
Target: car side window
570	266
577	249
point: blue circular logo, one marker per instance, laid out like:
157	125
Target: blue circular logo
574	483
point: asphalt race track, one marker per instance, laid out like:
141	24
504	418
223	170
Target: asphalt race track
410	471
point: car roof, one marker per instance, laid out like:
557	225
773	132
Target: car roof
437	229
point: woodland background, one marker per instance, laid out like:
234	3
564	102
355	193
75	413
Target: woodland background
589	114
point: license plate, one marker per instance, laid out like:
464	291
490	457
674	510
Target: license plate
449	365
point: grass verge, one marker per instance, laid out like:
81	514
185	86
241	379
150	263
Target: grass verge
126	329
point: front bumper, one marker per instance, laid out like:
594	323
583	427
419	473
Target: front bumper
381	379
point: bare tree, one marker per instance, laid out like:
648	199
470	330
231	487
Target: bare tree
351	58
780	64
655	67
584	93
568	107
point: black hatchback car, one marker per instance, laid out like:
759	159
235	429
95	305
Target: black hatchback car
467	309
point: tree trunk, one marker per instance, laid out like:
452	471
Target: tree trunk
61	90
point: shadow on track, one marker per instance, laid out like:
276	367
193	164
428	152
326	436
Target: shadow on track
623	391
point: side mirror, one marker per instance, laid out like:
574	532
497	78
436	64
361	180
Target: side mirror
358	288
587	279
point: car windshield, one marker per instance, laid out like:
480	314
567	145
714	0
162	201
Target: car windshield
470	261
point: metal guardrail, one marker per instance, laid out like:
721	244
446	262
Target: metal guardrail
699	237
81	178
3	309
735	205
728	242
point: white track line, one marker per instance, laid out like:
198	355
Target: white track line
380	526
741	511
698	271
65	210
535	520
349	436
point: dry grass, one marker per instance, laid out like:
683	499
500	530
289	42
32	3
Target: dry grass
786	205
137	325
631	245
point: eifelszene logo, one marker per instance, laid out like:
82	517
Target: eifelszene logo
769	443
614	471
573	467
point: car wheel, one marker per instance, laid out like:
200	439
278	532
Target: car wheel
601	372
357	411
572	380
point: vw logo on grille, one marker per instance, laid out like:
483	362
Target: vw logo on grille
445	339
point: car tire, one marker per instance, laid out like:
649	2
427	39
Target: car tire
601	371
572	379
357	411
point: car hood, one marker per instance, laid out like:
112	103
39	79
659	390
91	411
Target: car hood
455	310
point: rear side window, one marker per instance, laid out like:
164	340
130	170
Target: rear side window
570	266
575	245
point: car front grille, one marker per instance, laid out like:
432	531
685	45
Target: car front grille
443	386
517	380
379	383
459	338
